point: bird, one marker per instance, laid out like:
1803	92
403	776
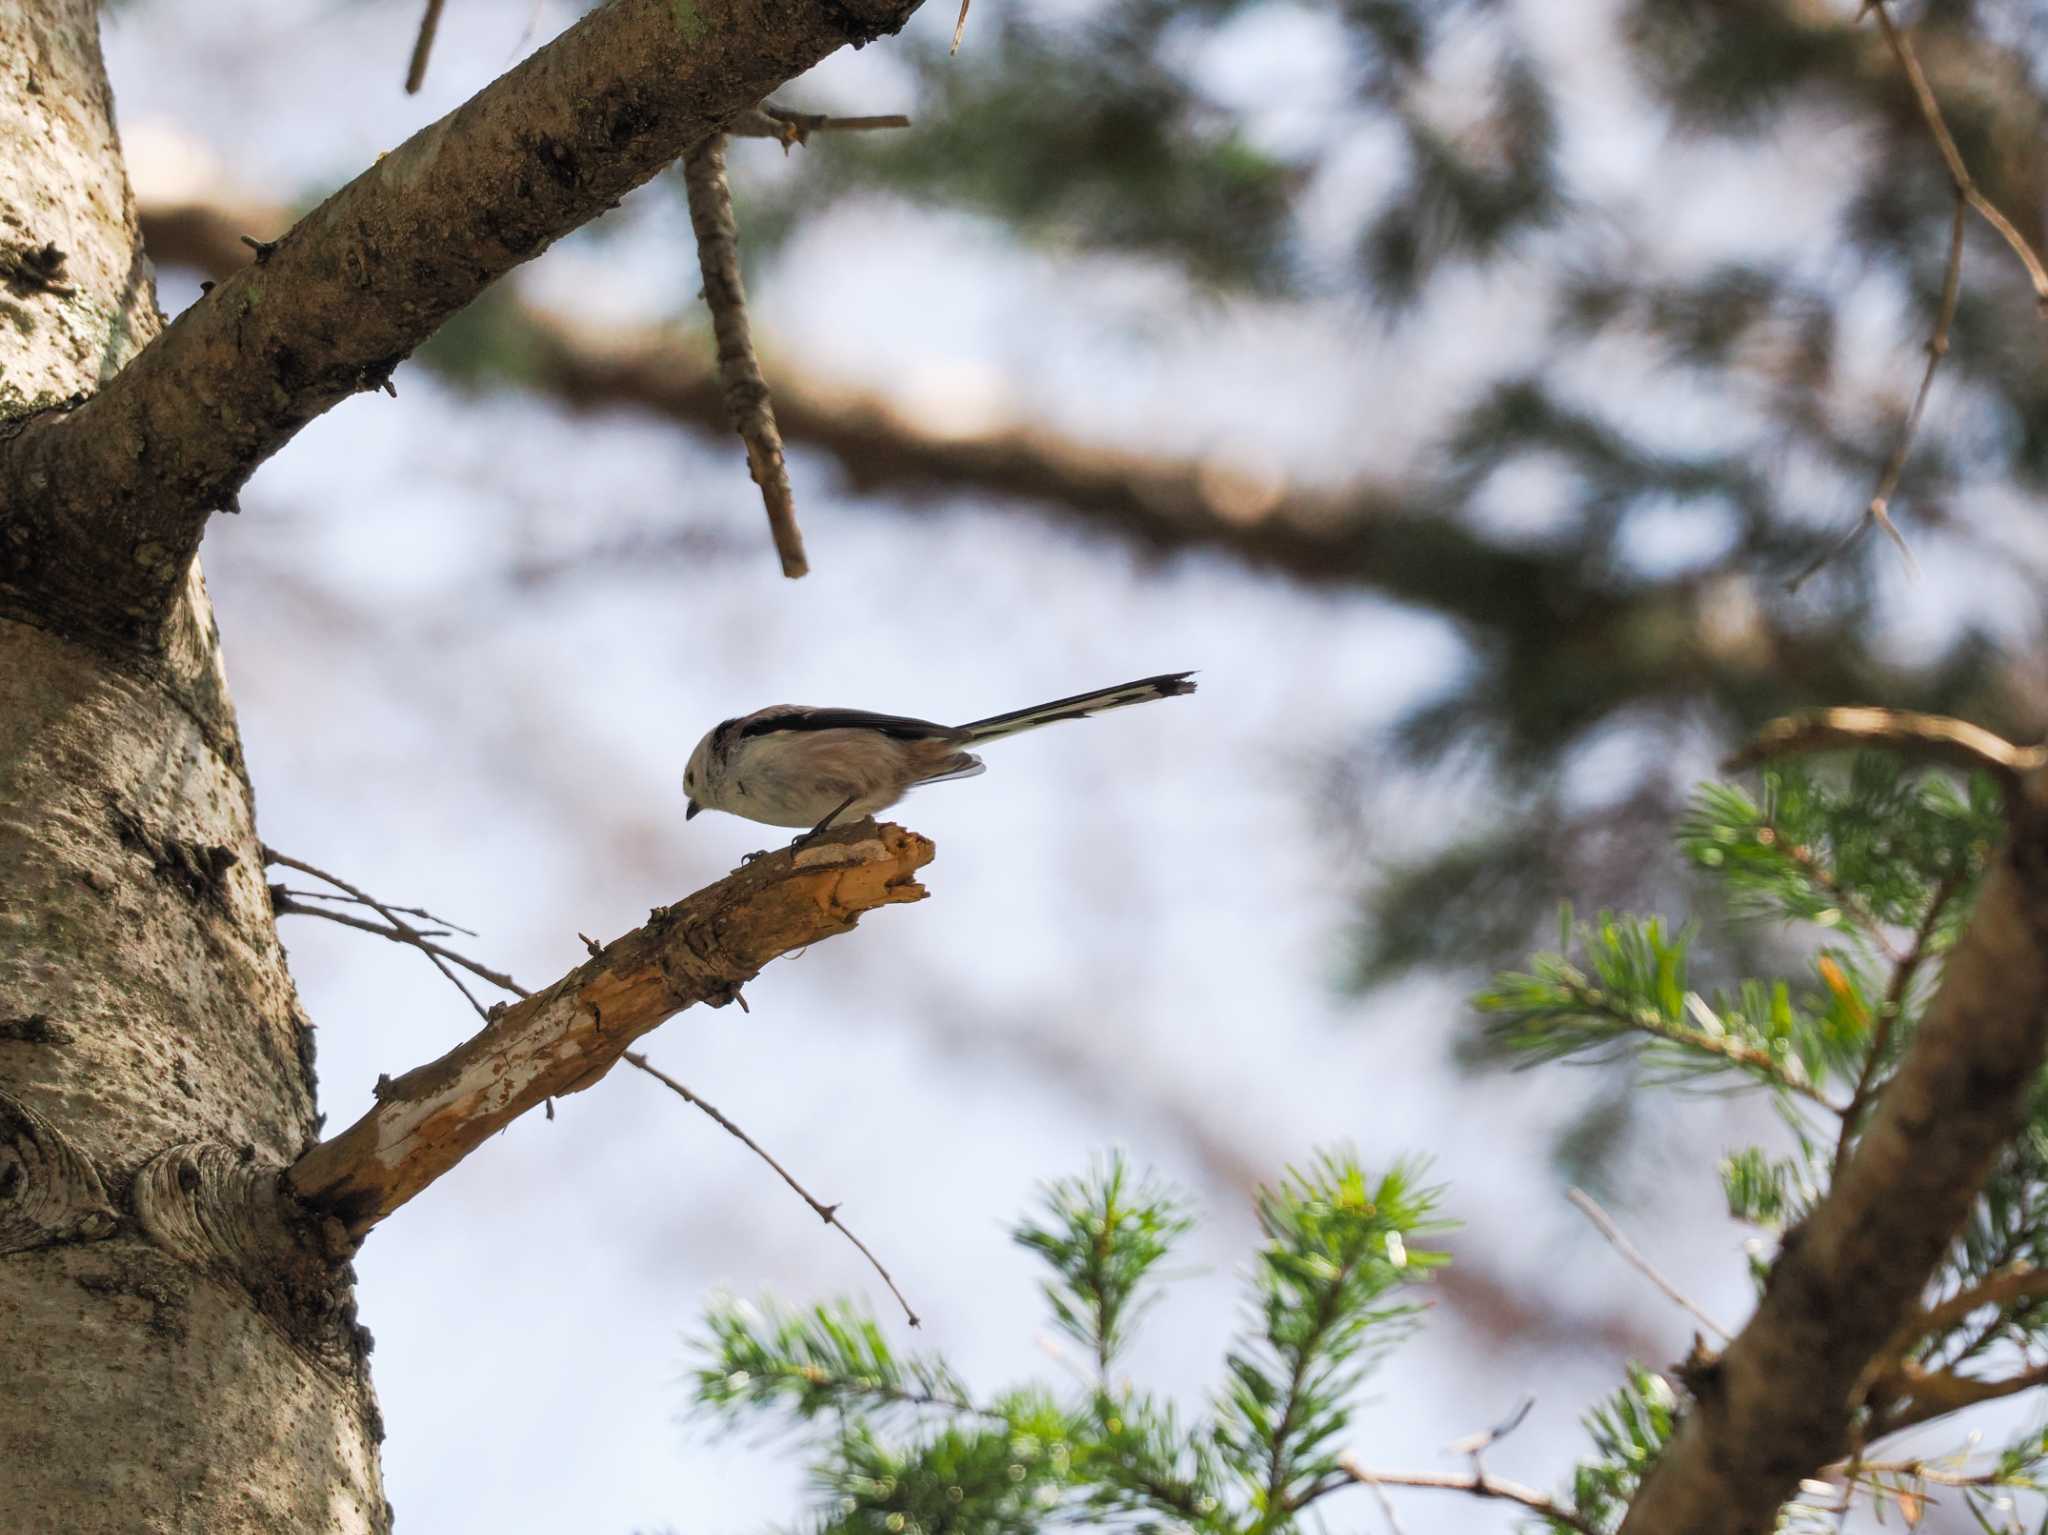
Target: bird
794	765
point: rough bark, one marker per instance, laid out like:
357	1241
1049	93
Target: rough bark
180	1346
1778	1405
564	1039
181	1353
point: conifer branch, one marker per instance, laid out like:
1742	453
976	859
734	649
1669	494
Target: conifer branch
1897	994
1781	1401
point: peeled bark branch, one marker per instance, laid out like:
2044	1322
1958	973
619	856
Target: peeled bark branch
1778	1405
566	1037
102	505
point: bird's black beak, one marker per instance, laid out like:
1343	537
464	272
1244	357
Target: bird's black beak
691	813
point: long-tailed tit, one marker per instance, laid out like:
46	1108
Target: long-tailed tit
789	765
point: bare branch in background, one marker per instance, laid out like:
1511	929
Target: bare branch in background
1782	1401
747	404
1930	737
768	121
1966	185
423	47
566	1037
1365	536
1498	1308
1878	512
1604	1224
829	1214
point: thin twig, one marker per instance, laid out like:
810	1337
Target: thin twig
1958	173
959	27
1930	1394
423	45
2015	1283
287	906
410	911
1924	1471
1478	1486
1954	742
786	127
1372	1485
1878	512
389	914
1478	1444
1604	1224
1894	1004
827	1213
747	404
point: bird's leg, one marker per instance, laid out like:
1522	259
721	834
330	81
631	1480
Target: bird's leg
819	830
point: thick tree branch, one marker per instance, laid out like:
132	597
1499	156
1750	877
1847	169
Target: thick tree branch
102	505
568	1035
1779	1404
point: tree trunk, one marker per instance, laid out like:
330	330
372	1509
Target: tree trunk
179	1346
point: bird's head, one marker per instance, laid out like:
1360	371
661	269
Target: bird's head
697	785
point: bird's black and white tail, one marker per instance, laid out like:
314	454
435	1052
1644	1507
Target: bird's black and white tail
1079	707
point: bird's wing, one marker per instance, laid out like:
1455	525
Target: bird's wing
794	717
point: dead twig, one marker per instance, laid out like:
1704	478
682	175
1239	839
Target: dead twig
829	1214
747	404
405	930
1604	1224
1878	511
410	911
287	906
1958	173
960	27
423	45
1478	1485
768	121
